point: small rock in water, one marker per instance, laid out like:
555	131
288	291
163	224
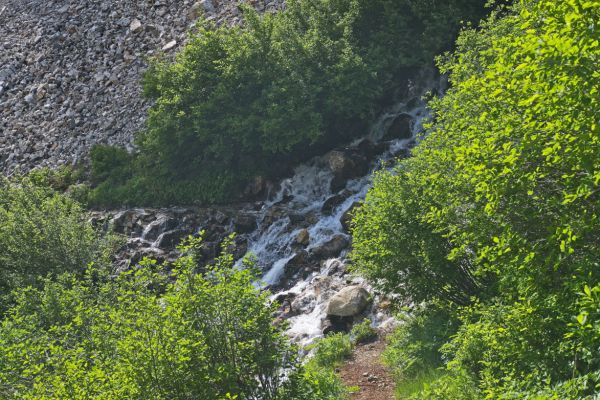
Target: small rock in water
401	128
303	237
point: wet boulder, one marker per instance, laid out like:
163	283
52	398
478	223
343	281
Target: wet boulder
346	164
273	214
348	302
401	128
303	237
334	201
335	324
170	239
123	221
331	248
160	225
244	223
296	263
370	149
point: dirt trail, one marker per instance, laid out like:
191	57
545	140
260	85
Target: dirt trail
365	370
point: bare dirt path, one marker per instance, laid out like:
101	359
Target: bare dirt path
366	371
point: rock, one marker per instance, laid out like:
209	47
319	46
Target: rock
273	214
135	25
349	301
122	222
296	263
170	239
303	237
244	223
330	248
345	165
207	5
162	224
169	45
259	188
370	149
123	21
332	202
303	304
401	128
334	324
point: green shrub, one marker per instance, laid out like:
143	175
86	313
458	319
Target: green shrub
245	101
585	330
110	164
319	372
363	332
455	385
59	179
315	383
414	347
44	233
331	350
400	251
145	335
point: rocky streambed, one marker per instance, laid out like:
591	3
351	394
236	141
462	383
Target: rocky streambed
297	229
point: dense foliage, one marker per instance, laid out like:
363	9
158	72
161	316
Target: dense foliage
43	232
246	101
497	214
146	335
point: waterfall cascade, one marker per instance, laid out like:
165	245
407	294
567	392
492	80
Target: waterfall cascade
299	235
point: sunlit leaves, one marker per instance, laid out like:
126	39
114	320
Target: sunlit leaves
508	180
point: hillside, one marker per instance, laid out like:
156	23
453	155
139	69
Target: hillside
70	71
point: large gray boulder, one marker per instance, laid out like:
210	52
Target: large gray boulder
349	301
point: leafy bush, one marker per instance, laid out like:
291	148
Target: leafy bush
315	383
456	385
320	369
245	101
414	347
331	350
498	210
59	179
401	252
43	232
146	335
363	332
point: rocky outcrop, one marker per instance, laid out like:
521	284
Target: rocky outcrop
155	233
70	70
